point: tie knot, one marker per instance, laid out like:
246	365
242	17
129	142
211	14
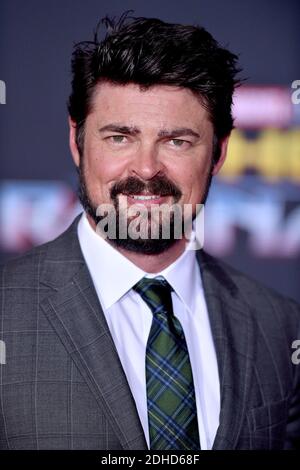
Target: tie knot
156	292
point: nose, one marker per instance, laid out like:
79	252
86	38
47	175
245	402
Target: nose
146	163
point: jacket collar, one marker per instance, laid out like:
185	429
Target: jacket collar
73	309
233	332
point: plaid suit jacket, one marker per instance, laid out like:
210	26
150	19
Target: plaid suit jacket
63	386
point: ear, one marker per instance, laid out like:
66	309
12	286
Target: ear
72	142
223	153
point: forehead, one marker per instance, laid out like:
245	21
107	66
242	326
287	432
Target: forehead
158	103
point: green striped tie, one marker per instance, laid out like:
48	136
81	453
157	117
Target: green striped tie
172	412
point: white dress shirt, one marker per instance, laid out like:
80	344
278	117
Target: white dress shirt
129	319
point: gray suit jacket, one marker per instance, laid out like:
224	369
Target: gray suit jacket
63	386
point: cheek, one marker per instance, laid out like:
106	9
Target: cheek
189	176
101	174
193	182
101	168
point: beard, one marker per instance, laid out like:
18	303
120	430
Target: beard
146	244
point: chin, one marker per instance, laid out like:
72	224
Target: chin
144	246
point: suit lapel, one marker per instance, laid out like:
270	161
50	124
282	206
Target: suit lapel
75	313
232	329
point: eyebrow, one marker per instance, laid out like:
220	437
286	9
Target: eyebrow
132	130
120	129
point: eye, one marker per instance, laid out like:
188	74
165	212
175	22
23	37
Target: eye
180	143
117	139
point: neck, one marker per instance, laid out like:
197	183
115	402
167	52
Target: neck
150	263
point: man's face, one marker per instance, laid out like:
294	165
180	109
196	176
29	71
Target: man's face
138	144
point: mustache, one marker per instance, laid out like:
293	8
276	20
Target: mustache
159	186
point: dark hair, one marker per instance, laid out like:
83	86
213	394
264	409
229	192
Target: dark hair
148	51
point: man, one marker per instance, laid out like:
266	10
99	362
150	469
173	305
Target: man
141	341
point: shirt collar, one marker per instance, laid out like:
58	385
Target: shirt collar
114	275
